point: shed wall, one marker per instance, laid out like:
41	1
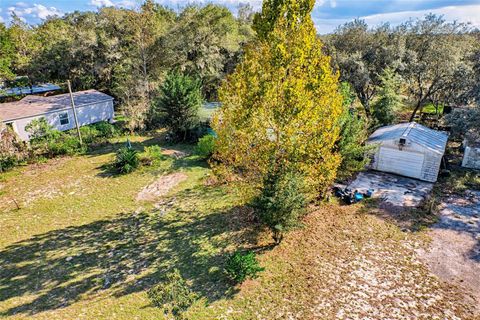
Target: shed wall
471	158
431	162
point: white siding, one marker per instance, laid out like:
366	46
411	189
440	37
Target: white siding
405	161
401	162
471	158
86	115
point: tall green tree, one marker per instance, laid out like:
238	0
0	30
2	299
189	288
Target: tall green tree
203	43
353	134
280	107
389	100
179	103
362	54
6	54
435	50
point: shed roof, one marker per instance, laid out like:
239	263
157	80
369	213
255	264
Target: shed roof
433	140
31	106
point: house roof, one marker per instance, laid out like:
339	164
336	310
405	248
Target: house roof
40	88
433	140
31	106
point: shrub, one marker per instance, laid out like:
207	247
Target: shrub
126	160
89	134
63	144
39	129
105	129
241	266
7	162
151	155
12	149
96	132
282	202
173	295
206	146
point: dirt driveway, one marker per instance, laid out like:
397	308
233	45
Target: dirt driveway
454	253
394	190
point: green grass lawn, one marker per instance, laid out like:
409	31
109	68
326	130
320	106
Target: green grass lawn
430	108
82	247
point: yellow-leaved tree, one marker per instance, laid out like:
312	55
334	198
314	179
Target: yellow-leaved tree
280	108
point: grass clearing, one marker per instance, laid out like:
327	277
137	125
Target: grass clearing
82	247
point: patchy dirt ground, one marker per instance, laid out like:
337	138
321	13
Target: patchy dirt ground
348	265
454	253
161	186
177	154
392	189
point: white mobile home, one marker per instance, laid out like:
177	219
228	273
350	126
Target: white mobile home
409	149
92	106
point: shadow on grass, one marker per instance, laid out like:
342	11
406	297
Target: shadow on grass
125	254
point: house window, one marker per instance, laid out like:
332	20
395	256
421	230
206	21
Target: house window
64	118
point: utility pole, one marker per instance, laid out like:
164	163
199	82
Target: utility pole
74	112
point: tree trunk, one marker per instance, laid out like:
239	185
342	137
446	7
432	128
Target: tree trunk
419	103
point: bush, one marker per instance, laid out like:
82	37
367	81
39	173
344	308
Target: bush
151	155
173	295
205	146
89	134
105	129
126	160
64	144
241	266
12	149
282	202
7	162
96	132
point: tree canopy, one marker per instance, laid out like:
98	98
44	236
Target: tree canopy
281	105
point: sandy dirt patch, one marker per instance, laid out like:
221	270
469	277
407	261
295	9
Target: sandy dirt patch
454	254
177	154
392	189
161	186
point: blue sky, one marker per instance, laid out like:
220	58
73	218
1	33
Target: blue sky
327	14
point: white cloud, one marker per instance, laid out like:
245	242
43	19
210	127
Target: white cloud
36	11
467	13
43	12
101	3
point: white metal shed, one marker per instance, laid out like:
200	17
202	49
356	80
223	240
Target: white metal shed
409	149
471	155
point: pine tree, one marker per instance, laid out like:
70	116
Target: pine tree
280	107
353	134
389	100
180	101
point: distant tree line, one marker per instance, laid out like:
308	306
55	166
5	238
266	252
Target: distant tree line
421	62
128	53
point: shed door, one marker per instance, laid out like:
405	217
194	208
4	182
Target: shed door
405	163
